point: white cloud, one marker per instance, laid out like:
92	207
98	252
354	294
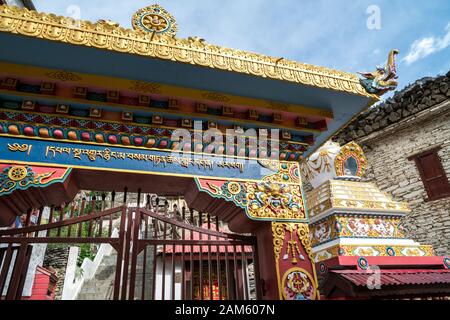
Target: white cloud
422	48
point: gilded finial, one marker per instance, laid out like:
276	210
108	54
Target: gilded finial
156	20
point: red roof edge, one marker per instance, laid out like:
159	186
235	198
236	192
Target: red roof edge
347	262
387	283
47	272
397	277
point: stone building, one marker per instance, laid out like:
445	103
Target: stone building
407	143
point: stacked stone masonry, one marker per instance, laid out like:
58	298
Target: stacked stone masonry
56	259
414	119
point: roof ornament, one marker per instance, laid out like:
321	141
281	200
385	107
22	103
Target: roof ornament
382	80
279	60
108	24
155	19
196	39
196	42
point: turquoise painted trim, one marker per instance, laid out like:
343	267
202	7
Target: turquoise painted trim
363	263
216	196
61	180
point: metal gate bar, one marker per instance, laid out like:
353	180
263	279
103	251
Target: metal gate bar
196	256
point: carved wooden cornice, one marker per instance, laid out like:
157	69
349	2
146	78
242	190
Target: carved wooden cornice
111	37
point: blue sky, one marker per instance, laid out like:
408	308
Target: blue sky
330	33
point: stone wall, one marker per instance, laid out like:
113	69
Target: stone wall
421	95
415	119
56	259
389	168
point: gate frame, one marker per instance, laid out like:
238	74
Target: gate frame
127	245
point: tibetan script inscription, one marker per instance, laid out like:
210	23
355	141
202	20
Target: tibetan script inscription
38	152
107	154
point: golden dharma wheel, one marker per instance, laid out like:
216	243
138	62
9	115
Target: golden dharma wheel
155	19
234	188
17	173
155	22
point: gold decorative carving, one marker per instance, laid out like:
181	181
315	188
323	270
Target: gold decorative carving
370	204
234	187
19	177
279	105
292	248
338	194
303	235
145	87
214	96
301	229
109	24
277	196
61	29
17	173
298	284
373	251
278	232
154	19
353	150
21	148
292	251
63	76
275	200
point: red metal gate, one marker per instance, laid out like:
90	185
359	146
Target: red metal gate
160	255
15	259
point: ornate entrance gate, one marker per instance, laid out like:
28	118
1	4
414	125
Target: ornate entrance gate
160	255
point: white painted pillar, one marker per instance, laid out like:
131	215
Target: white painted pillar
69	280
37	258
